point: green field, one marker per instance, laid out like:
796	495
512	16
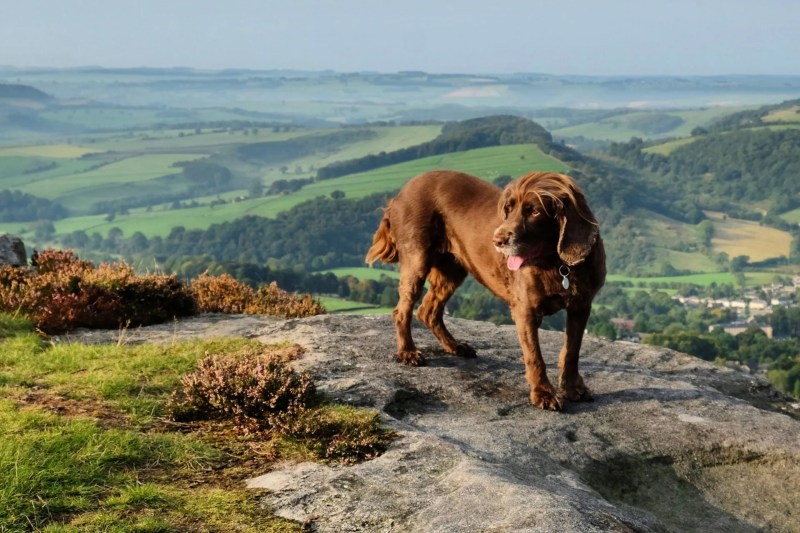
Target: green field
340	305
487	163
737	237
752	279
363	272
668	147
78	191
792	216
622	127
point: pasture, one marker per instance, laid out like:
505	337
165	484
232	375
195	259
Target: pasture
487	163
334	304
737	237
363	272
621	127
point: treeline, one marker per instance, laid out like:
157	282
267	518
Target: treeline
18	206
274	152
455	137
749	118
318	234
750	165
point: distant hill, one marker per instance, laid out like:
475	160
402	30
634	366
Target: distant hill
746	157
22	92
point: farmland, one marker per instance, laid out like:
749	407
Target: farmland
488	163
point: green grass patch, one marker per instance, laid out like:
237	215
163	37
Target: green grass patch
693	279
86	448
622	127
58	151
737	237
487	163
669	146
752	279
792	216
363	272
132	170
334	304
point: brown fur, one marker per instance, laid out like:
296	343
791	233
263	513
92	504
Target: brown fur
445	224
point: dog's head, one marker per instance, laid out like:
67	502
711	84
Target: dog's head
544	213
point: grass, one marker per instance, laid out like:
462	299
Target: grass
131	170
790	114
792	216
752	279
669	146
487	163
737	237
704	280
58	151
86	446
339	305
363	272
621	127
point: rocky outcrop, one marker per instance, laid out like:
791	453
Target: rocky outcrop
671	443
12	250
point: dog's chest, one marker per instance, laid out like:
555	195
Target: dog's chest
547	291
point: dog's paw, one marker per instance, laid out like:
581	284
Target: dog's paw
464	350
545	398
410	358
575	392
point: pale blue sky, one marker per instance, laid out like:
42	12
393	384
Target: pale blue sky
494	36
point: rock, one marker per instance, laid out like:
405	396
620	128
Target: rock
12	250
671	443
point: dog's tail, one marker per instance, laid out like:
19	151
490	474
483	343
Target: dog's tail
384	246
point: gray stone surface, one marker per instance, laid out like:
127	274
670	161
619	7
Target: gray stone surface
671	443
12	250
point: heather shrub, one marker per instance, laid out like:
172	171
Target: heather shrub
272	300
62	292
253	387
257	390
221	294
225	294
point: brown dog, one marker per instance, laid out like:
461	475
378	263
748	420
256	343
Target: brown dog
535	245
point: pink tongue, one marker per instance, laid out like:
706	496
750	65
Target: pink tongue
514	262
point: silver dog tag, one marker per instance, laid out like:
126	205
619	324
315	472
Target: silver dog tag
564	271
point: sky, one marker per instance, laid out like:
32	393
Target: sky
590	37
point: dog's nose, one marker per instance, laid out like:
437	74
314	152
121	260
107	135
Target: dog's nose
501	237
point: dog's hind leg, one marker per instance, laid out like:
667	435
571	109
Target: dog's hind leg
444	278
414	268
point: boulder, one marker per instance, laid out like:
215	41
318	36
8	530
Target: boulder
670	443
12	250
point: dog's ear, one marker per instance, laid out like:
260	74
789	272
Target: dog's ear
501	204
579	229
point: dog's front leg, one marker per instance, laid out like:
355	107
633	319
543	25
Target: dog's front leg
570	382
543	395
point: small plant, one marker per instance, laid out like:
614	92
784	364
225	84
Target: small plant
225	294
62	292
252	387
272	300
221	294
259	392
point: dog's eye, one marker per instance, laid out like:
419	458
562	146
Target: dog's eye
529	210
